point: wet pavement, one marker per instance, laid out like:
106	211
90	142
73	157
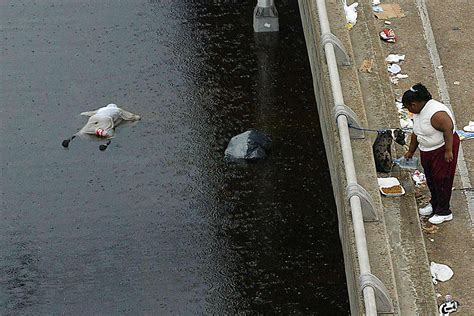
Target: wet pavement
159	223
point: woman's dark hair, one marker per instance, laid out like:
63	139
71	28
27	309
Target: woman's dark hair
416	93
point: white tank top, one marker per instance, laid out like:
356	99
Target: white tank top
428	137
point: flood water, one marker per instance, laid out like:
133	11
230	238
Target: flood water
159	223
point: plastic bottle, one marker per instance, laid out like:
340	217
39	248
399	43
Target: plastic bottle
407	164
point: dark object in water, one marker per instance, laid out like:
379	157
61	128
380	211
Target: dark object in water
382	151
250	145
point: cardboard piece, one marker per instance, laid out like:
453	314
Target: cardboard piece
367	65
390	10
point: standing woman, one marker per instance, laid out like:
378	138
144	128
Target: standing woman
433	134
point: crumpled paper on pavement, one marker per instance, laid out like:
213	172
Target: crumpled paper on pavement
440	272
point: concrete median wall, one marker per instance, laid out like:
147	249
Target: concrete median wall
333	152
395	243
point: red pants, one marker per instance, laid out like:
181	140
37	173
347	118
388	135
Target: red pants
440	176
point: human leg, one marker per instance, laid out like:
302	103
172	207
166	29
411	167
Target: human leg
426	162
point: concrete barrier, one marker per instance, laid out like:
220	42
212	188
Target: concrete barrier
397	263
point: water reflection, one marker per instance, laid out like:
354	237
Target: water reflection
159	223
275	220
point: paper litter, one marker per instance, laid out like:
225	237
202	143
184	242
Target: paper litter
377	8
390	10
449	306
440	272
394	68
367	65
465	135
388	35
419	177
351	14
469	127
394	58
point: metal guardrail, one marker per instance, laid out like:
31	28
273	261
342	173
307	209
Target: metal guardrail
374	292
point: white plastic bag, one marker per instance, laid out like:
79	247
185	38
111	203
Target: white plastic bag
440	272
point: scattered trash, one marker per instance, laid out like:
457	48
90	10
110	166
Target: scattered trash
367	65
440	66
431	239
382	151
388	35
407	163
469	128
390	10
377	8
449	306
394	68
102	122
440	272
438	295
351	14
250	145
465	135
399	105
406	123
267	25
419	177
457	83
432	229
394	58
390	186
395	79
387	22
375	2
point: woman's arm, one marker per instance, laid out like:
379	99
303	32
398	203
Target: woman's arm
443	123
413	146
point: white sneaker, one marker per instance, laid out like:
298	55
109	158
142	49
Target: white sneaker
426	211
438	219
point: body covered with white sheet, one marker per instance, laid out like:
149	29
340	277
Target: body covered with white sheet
102	122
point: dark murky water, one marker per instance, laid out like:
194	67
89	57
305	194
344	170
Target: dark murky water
159	224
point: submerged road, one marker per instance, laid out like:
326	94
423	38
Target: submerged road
159	223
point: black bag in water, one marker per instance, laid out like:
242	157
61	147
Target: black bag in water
250	145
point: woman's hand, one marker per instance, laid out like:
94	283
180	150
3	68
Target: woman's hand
409	154
448	155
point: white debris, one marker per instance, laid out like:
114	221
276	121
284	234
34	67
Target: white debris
418	177
375	2
351	13
394	68
457	83
440	272
394	58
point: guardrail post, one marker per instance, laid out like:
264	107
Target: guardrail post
382	297
265	17
352	120
368	210
341	55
